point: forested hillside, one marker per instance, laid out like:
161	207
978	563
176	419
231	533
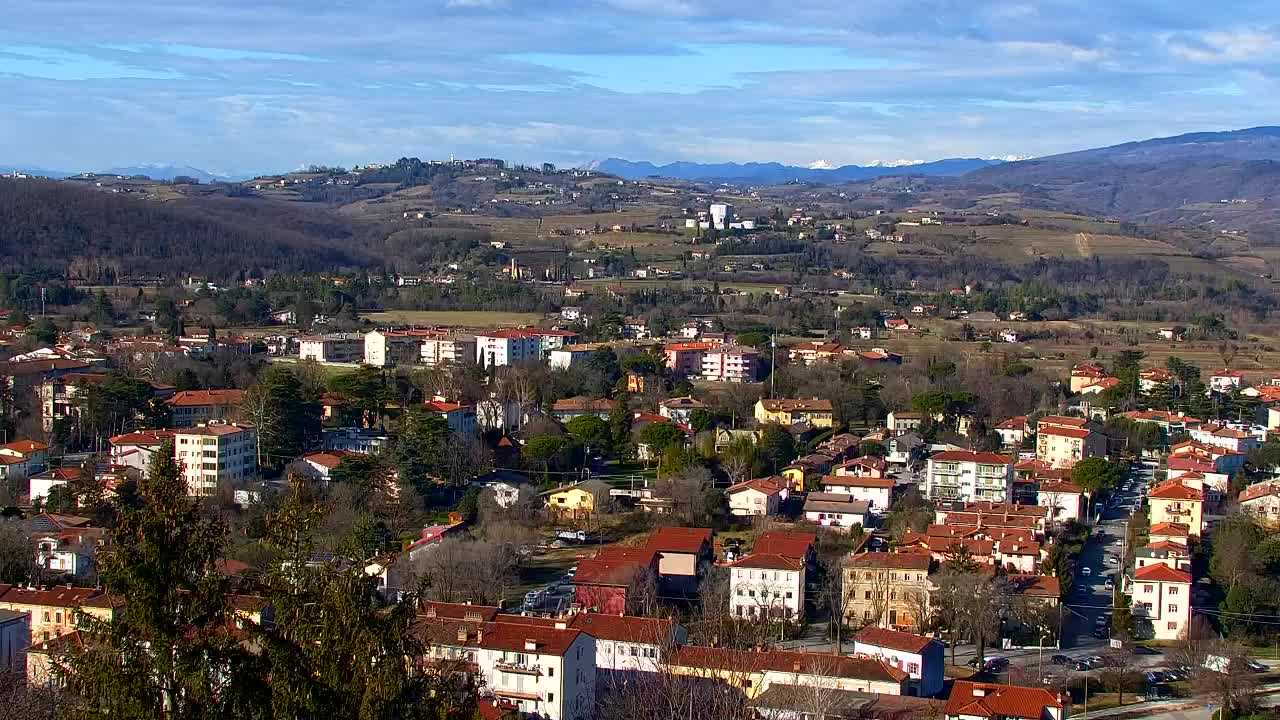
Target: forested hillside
56	226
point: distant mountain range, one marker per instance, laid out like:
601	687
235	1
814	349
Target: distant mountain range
770	173
166	171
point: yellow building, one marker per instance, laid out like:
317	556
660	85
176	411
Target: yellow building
816	413
53	610
579	500
1173	502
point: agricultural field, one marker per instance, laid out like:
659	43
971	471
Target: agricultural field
453	318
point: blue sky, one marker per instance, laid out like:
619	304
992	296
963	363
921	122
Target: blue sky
243	86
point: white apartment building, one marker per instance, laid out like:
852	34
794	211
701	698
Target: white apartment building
629	644
767	586
968	476
507	347
550	671
448	350
731	363
332	348
721	215
215	453
388	348
1161	601
876	492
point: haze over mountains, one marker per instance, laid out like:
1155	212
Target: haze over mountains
771	172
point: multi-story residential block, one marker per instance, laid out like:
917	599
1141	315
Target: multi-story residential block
1161	601
922	658
192	407
389	348
685	358
1061	442
448	350
767	586
1172	501
1224	436
500	348
731	363
53	610
216	453
332	348
569	356
757	674
627	644
813	412
889	590
967	476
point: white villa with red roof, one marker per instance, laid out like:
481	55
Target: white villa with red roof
1161	601
922	658
989	701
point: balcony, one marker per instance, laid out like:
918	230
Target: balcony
521	668
1177	512
1143	611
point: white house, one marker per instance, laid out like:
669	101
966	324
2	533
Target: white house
765	585
627	644
135	449
876	492
836	510
22	458
922	658
319	465
1161	601
461	418
41	484
66	544
680	409
1065	500
761	496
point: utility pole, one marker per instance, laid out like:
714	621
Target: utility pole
773	363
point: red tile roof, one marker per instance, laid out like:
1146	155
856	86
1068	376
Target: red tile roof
1175	490
458	611
143	437
686	346
680	539
1076	433
328	459
1159	572
819	664
768	561
893	639
1258	490
1167	529
891	561
999	701
1060	487
58	597
985	458
1035	585
1061	421
785	543
190	398
814	405
624	628
613	566
25	446
516	638
768	486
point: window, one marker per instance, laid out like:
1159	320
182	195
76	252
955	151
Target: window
913	667
1173	626
866	615
551	697
789	595
867	595
1173	608
551	672
1173	590
1146	588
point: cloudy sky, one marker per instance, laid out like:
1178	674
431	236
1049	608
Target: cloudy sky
244	86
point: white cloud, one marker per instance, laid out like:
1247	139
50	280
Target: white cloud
1225	47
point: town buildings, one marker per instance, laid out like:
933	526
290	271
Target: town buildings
194	407
889	590
966	476
215	454
332	348
1161	601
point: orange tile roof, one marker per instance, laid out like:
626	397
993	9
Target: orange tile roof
624	628
769	561
458	611
25	446
1258	490
999	701
328	459
679	539
1077	433
768	485
686	346
1175	490
1035	585
58	597
195	398
1159	572
515	638
143	437
814	405
1169	529
614	566
1062	421
819	664
785	543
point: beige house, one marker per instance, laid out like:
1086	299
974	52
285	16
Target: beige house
761	496
53	610
889	590
1262	500
1062	442
1172	501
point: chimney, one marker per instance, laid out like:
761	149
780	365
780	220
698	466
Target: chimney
431	611
462	633
979	691
531	645
562	625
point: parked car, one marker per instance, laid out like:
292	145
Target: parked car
532	598
1086	571
997	664
1145	650
1109	585
1061	660
1256	666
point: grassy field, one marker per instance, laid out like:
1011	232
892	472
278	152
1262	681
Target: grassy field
453	318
